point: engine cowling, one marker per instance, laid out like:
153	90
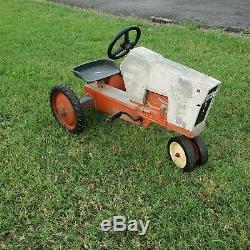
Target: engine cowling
189	92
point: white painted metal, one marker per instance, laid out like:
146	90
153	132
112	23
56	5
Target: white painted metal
186	88
177	154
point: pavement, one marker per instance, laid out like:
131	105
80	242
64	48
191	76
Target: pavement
234	14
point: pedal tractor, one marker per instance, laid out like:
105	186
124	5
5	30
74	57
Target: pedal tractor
146	88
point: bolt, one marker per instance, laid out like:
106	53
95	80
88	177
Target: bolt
62	111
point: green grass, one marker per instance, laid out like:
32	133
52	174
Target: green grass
56	188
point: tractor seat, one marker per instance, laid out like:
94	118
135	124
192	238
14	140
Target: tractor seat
96	70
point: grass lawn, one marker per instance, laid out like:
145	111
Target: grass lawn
56	188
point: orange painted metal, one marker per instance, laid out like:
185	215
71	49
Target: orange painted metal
116	81
153	111
63	110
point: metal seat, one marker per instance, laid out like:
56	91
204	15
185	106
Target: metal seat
96	70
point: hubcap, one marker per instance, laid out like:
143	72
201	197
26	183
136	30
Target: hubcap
177	154
63	110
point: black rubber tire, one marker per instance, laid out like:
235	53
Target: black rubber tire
202	149
79	126
188	149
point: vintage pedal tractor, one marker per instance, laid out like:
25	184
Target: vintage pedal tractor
146	88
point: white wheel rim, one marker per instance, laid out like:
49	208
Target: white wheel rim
177	154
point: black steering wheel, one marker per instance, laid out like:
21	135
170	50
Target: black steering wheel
126	45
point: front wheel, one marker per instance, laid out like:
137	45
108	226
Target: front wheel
66	108
182	152
201	148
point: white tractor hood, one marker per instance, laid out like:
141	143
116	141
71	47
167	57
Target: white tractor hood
187	89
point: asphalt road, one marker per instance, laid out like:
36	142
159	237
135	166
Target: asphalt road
213	13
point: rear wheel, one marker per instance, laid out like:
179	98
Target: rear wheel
66	108
182	152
